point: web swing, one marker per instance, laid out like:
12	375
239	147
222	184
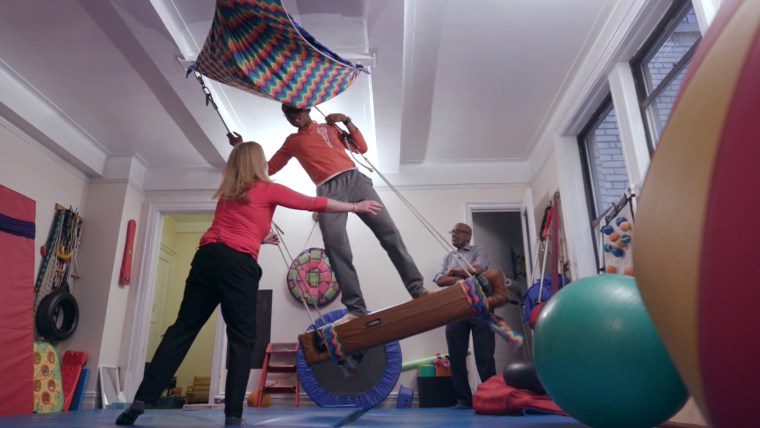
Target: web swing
256	46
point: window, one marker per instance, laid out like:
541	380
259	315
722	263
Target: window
604	171
660	66
602	155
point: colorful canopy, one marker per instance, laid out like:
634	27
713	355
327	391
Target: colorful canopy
254	45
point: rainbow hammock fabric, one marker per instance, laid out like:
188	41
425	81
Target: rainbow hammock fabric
254	45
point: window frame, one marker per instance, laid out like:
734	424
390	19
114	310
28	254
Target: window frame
670	21
601	112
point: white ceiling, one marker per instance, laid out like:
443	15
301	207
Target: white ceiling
101	83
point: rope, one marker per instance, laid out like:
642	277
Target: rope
461	261
61	246
477	299
332	342
280	234
500	327
300	276
59	260
347	363
555	244
207	91
543	244
45	276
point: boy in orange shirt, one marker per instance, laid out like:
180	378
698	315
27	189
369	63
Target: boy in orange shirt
321	151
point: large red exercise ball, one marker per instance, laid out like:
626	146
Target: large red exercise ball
695	258
600	359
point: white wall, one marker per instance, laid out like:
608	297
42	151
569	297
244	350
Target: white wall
543	187
381	284
51	181
118	295
32	170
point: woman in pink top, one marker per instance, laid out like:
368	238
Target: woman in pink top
225	271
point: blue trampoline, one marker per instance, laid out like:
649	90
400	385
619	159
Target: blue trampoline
376	375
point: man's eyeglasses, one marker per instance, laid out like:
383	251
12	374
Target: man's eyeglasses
453	231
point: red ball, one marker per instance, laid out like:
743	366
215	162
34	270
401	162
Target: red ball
702	184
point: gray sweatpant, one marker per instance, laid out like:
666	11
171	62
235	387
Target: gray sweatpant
353	186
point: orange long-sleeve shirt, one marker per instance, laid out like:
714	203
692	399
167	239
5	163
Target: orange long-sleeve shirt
319	149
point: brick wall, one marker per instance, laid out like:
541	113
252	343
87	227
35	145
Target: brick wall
607	164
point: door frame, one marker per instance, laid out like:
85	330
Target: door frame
473	208
138	331
167	254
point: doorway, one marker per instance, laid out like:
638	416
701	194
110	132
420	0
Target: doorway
179	240
500	232
155	267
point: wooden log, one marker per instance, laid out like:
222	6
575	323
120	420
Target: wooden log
404	320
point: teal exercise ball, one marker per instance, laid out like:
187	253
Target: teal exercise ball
600	359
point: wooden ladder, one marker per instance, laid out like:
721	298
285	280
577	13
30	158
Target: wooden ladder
284	361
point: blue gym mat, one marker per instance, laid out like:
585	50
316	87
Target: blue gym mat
294	417
442	417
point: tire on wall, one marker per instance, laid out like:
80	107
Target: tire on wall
57	316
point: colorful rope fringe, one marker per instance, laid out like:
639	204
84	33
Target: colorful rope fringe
332	343
347	363
254	45
477	299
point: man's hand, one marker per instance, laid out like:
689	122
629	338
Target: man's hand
271	238
334	118
462	273
234	138
456	272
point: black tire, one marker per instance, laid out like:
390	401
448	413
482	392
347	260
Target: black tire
57	316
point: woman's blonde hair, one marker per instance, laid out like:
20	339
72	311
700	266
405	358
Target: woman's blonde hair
246	166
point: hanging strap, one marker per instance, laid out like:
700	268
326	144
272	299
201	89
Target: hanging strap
207	92
554	237
545	239
546	221
17	227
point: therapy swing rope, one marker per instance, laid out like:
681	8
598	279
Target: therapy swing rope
303	298
474	286
207	92
447	246
276	229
